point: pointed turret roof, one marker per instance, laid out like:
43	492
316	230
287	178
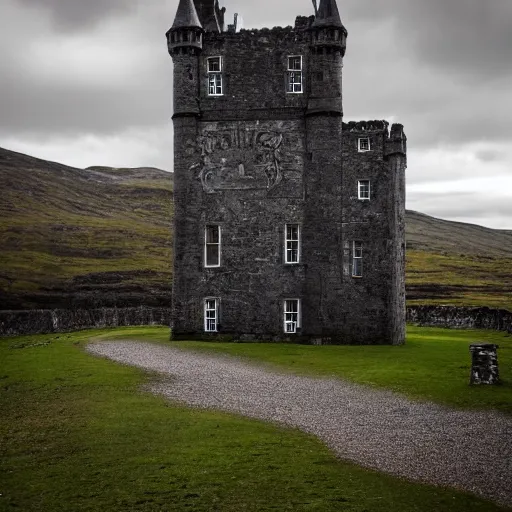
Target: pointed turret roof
328	15
186	16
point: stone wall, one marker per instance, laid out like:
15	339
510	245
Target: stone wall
42	321
461	317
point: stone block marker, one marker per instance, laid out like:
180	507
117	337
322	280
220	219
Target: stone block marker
484	363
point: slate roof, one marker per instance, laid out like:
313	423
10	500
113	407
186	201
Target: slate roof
328	15
186	16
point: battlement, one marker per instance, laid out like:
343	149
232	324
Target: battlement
395	140
273	35
365	126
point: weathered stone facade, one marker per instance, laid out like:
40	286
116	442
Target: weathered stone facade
262	145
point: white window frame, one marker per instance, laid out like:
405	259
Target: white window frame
291	79
360	186
212	244
215	79
291	320
357	256
360	147
289	245
211	314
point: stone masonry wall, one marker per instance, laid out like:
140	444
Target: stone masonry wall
461	317
257	158
42	321
60	320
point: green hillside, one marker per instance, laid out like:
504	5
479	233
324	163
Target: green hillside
102	237
83	238
457	263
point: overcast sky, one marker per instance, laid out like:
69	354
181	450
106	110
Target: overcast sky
89	82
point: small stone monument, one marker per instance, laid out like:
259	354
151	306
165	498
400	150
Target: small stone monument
484	364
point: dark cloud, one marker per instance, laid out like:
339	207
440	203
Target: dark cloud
491	155
77	107
81	14
472	37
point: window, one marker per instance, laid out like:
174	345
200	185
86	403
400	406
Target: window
292	243
295	74
212	246
291	315
363	189
357	259
211	314
363	144
214	76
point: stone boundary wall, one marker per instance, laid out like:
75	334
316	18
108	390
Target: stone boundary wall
43	321
461	317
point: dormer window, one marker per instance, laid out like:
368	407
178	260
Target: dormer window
214	65
363	144
295	74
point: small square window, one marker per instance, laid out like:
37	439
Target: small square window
363	190
295	63
211	315
214	64
364	144
292	320
295	75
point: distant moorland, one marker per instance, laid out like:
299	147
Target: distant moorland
103	237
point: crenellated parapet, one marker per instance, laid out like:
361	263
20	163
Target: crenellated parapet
365	126
395	140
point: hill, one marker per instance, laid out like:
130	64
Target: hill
83	237
102	237
456	263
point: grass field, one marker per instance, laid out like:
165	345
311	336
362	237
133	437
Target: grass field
458	279
78	434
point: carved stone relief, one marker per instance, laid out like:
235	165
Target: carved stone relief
240	156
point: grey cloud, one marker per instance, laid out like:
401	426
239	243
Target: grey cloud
490	155
462	205
471	37
81	14
67	108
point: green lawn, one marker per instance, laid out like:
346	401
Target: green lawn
77	434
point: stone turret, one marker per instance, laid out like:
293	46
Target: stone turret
327	30
186	34
328	44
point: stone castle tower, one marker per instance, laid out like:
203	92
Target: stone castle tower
289	223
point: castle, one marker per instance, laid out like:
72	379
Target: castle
289	223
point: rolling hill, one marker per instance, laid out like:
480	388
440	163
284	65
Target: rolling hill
83	237
103	237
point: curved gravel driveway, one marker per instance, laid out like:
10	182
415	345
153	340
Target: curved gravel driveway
376	429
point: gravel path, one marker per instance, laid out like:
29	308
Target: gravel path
377	429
